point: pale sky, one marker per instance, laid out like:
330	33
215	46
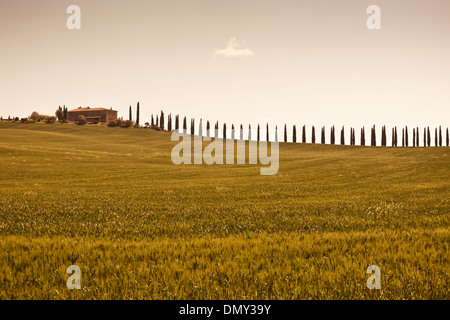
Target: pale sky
239	61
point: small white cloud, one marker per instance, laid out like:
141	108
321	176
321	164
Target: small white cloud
233	50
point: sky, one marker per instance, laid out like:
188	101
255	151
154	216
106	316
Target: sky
236	61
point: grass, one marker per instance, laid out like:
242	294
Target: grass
111	201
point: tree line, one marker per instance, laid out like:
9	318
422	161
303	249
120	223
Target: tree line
158	121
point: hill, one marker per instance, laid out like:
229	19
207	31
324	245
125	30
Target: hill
111	201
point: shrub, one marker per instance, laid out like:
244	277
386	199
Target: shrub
112	124
81	120
127	124
16	119
51	119
23	120
42	117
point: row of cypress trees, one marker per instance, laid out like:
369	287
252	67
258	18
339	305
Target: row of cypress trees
427	137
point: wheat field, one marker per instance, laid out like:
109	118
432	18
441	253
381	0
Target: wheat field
111	201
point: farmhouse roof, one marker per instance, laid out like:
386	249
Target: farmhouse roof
88	109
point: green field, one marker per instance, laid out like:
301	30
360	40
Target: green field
111	201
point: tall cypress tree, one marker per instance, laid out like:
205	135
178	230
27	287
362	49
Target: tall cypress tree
130	115
208	128
417	136
406	136
294	134
440	136
241	133
152	121
276	133
177	122
342	136
448	138
257	133
184	124
313	135
363	137
435	137
322	138
249	132
424	137
267	132
216	130
428	137
285	133
414	137
332	136
161	120
169	122
304	134
137	115
224	131
232	132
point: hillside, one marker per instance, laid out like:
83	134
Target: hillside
111	201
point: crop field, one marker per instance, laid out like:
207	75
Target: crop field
111	201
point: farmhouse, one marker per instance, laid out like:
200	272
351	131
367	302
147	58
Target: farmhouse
93	114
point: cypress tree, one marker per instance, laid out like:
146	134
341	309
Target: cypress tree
406	136
276	133
294	134
130	116
193	126
304	134
137	115
177	122
448	138
152	121
313	135
184	124
232	132
403	137
208	128
374	137
414	137
257	133
417	136
363	137
322	138
428	137
224	131
249	132
157	121
424	137
267	132
332	135
285	133
440	136
169	122
435	137
342	136
216	130
396	137
241	133
161	120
